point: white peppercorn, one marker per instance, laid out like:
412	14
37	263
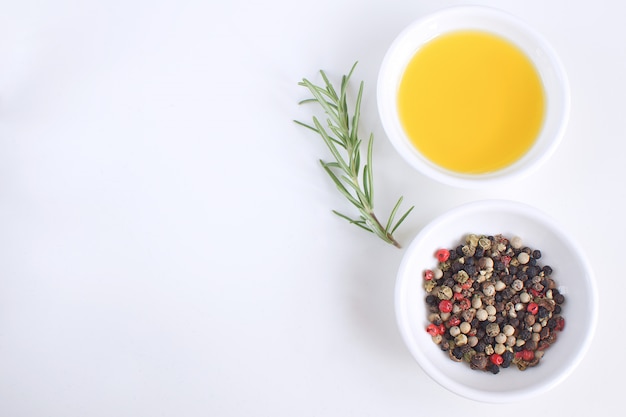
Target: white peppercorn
508	330
499	285
517	285
489	350
489	290
537	327
501	338
437	338
465	327
510	341
460	340
516	242
524	297
499	348
491	310
481	314
437	273
523	258
477	302
455	331
472	341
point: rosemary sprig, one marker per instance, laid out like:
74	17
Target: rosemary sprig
341	138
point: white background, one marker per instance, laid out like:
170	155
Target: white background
166	241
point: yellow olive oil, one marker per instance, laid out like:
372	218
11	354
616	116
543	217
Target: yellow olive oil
471	102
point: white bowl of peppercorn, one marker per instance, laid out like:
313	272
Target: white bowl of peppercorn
496	302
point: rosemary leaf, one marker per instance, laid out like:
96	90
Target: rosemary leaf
355	183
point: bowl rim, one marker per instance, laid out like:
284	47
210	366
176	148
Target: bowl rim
386	85
429	367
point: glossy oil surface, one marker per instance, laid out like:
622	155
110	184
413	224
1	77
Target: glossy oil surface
471	102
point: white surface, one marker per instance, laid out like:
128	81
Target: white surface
166	241
488	19
572	273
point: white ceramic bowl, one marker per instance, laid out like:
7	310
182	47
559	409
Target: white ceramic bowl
571	272
452	19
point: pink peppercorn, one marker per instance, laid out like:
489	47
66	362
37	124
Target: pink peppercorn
496	359
528	355
428	275
442	255
533	308
445	306
454	321
432	329
467	284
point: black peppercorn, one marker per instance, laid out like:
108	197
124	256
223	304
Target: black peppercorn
512	269
507	358
494	369
432	300
543	313
507	279
498	266
532	271
552	323
480	252
459	250
525	334
480	346
559	298
547	270
557	309
457	352
536	254
470	269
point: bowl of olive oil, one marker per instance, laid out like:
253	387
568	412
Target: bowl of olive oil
472	96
